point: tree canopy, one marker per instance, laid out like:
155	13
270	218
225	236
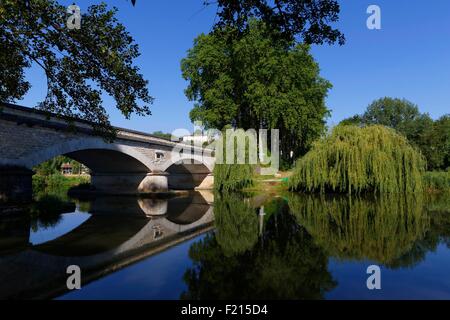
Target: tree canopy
257	82
232	177
163	135
391	112
79	65
307	19
53	166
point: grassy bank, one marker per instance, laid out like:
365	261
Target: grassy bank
434	182
269	184
56	184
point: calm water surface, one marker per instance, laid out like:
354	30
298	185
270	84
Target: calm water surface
206	246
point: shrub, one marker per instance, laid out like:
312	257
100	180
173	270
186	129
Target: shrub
353	160
437	181
55	184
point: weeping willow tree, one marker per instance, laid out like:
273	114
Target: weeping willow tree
233	177
234	169
353	160
236	224
386	229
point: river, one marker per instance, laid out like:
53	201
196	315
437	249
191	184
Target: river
210	246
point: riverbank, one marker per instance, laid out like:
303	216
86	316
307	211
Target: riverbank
57	184
434	182
271	185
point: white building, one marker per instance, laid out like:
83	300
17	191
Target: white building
197	139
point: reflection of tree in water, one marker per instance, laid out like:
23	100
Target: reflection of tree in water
46	211
438	206
389	229
14	233
284	264
50	201
236	224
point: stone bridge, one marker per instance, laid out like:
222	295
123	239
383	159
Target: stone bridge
134	163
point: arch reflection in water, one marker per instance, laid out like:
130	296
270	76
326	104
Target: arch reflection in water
119	231
41	233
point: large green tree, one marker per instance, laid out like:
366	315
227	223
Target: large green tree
391	112
79	65
431	137
308	20
435	144
257	81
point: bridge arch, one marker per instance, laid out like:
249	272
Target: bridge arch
116	168
80	149
189	160
189	171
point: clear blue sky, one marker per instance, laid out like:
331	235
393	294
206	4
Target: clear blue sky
408	58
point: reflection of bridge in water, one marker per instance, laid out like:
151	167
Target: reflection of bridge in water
120	231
